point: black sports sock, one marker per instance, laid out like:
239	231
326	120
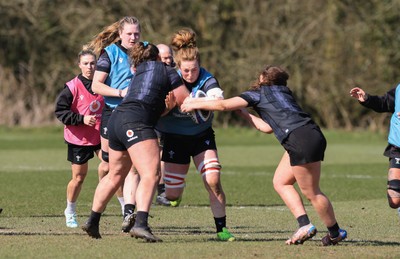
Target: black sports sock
141	219
334	231
94	218
220	223
303	220
128	209
160	188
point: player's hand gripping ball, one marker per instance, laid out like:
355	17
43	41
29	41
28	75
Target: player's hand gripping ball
199	116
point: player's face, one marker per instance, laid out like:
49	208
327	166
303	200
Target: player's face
87	64
166	57
129	35
190	70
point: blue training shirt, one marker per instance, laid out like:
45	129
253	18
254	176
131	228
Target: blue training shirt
394	133
120	74
177	122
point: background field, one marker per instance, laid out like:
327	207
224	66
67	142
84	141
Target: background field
34	173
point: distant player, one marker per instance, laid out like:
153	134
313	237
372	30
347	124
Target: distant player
166	54
79	109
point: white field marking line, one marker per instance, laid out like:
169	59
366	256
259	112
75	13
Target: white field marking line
33	168
352	176
271	208
355	176
246	174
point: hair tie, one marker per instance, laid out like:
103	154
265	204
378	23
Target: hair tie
145	43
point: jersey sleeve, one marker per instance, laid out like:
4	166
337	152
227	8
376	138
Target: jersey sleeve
63	108
213	89
384	103
252	97
174	78
104	63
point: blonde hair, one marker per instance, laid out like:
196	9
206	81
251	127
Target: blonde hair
110	34
184	46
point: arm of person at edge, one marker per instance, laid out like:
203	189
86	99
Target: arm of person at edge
384	103
231	104
99	87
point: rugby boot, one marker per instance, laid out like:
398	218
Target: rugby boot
328	241
128	222
144	233
225	235
302	234
92	230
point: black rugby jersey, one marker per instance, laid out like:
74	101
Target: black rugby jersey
277	106
152	81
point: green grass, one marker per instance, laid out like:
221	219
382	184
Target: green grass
34	173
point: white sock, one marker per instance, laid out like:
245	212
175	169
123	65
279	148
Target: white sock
71	207
122	202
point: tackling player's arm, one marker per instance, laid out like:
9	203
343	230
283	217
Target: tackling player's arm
230	104
255	121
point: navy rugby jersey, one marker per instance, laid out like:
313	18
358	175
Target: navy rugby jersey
277	106
152	82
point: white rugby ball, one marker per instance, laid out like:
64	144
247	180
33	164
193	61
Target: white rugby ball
199	116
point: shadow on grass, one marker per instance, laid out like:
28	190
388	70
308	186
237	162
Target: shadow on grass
196	231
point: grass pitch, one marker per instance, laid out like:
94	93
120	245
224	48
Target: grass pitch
34	174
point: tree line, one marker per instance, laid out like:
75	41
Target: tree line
327	47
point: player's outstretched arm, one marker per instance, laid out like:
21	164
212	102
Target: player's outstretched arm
358	94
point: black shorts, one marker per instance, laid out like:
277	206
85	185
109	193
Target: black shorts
81	154
160	137
105	117
305	145
393	153
179	148
123	132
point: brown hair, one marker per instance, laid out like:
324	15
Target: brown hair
271	75
184	46
142	51
110	34
85	51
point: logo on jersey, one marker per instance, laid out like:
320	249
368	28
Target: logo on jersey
171	154
130	134
94	106
81	97
207	142
397	160
121	60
